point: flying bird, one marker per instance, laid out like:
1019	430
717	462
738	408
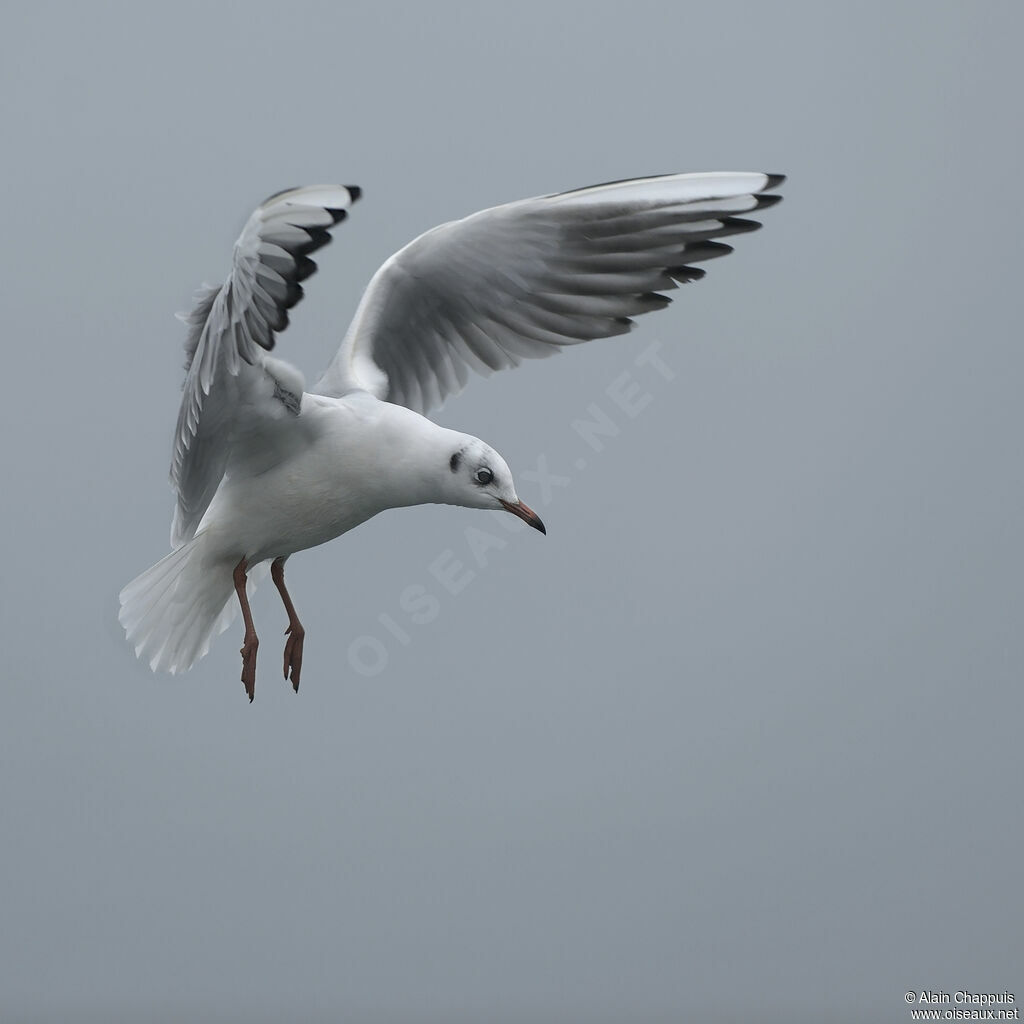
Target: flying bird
263	468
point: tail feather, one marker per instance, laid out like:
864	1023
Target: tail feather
172	612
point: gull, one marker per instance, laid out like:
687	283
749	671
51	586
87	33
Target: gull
263	468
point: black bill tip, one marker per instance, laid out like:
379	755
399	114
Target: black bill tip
524	512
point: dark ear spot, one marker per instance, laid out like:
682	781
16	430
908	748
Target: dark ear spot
453	462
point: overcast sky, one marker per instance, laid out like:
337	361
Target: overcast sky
740	738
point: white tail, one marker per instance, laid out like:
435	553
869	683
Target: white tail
172	612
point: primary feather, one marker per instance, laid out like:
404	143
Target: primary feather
523	280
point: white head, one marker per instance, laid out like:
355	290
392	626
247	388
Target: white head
478	477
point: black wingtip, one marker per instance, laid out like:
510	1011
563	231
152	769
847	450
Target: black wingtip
336	214
706	251
766	201
354	191
774	181
686	274
304	267
318	238
697	252
739	226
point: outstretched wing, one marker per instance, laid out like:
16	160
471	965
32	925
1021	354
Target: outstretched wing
522	280
233	389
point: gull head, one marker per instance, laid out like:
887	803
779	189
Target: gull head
478	477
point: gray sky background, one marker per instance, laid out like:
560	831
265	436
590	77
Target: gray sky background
739	738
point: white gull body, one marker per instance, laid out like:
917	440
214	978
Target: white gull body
262	468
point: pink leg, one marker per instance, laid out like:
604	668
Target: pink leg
296	634
251	642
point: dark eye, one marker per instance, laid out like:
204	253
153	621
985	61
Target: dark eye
484	476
